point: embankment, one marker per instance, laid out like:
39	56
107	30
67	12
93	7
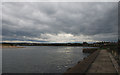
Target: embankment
83	65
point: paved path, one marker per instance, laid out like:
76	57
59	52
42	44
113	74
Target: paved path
102	64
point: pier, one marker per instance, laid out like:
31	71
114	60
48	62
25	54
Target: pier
99	62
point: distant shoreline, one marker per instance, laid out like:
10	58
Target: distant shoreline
51	44
8	46
11	47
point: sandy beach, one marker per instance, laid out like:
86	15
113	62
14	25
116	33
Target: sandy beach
11	47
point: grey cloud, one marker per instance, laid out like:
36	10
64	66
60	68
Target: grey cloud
34	19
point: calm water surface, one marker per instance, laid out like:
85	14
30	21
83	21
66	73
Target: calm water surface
40	59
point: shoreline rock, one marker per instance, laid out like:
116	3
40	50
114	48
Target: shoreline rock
89	50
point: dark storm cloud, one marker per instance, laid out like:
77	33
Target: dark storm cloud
44	20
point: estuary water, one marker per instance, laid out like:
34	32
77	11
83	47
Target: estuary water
40	59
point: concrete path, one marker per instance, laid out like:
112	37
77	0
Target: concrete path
102	64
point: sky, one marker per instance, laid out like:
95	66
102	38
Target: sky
59	21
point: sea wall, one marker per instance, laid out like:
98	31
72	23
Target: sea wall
83	65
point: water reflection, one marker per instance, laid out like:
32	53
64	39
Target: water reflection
41	59
0	60
65	49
